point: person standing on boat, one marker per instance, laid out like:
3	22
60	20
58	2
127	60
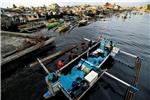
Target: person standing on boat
60	64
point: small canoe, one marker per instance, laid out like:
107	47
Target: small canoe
52	25
51	20
63	28
82	23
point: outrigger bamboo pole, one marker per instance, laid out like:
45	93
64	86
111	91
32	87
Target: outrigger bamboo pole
121	81
46	70
50	88
88	39
129	54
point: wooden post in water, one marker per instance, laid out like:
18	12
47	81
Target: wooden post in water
137	68
130	94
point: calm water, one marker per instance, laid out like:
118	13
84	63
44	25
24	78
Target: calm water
131	35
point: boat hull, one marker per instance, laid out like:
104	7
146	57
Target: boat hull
80	74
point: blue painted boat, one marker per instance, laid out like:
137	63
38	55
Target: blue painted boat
79	75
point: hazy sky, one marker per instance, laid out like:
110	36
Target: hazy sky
9	3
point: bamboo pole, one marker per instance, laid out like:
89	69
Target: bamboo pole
50	88
46	70
121	81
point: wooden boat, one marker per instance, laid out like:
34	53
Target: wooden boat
51	20
54	55
82	23
63	28
79	75
12	59
52	25
31	27
100	16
